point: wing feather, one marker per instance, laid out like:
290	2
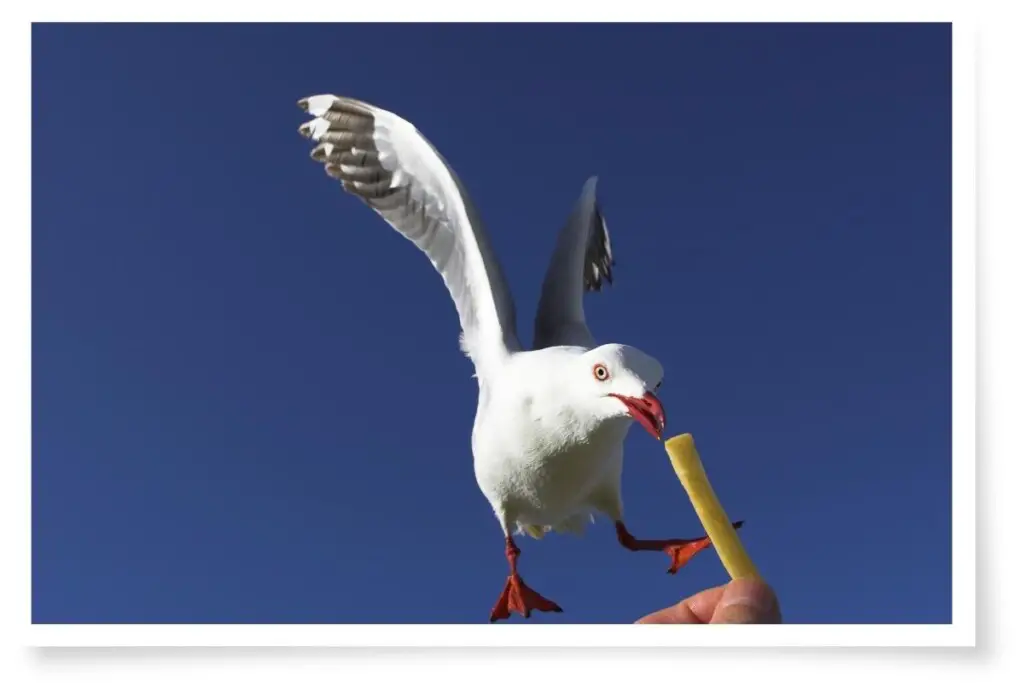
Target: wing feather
387	163
582	262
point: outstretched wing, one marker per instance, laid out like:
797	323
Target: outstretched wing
384	161
582	262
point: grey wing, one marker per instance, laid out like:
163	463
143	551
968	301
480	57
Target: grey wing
582	262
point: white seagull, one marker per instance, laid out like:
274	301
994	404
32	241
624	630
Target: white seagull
550	422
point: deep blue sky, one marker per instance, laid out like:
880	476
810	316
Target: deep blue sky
249	402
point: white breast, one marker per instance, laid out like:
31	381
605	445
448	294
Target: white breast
540	467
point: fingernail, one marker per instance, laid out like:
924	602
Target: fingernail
747	601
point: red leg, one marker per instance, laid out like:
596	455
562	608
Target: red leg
517	596
679	550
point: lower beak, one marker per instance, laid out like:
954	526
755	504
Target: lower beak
648	411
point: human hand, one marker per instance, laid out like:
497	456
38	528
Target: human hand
743	601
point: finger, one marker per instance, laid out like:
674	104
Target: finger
696	609
747	601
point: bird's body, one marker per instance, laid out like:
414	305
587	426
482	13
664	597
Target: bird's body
551	420
542	462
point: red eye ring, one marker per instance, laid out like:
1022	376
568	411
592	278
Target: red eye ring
601	372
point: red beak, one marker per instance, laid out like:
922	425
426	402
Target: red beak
648	411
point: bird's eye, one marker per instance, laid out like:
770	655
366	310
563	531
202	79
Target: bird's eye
600	372
656	387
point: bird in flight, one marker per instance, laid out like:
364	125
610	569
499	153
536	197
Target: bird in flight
551	420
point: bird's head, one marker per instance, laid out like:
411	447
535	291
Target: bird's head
621	381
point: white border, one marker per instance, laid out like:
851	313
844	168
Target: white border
961	632
964	319
500	635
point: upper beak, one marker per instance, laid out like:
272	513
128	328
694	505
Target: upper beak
646	410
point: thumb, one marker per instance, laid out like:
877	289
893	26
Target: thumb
747	601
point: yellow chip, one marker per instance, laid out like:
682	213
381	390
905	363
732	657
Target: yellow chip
686	462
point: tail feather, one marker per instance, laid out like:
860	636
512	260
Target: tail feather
574	524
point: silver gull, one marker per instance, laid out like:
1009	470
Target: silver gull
551	420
